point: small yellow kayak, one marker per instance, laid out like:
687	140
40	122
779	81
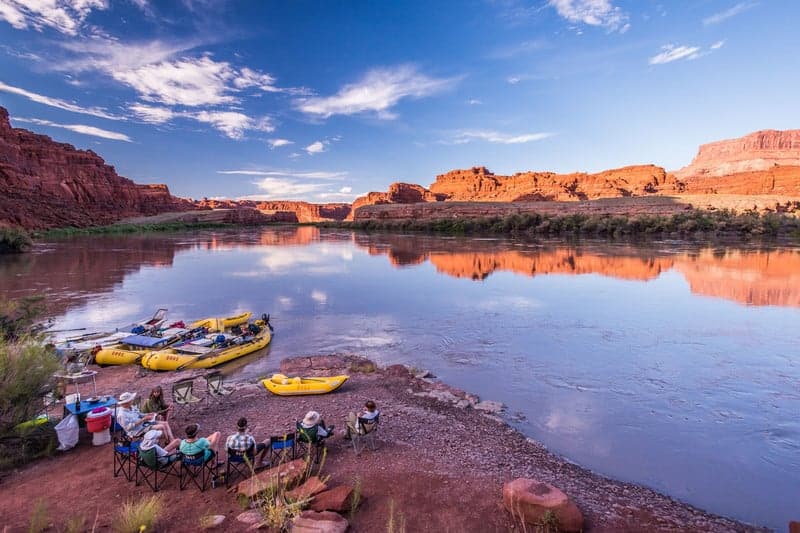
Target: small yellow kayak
296	386
210	351
221	324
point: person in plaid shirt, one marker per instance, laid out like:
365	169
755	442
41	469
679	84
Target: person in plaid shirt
243	441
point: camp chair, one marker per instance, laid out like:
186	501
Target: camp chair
241	463
214	386
308	442
196	469
363	432
280	447
126	451
148	468
182	394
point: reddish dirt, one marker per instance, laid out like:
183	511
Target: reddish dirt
442	466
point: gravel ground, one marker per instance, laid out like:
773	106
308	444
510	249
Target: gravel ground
440	463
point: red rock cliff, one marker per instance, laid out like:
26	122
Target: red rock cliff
398	193
46	184
479	185
757	151
290	210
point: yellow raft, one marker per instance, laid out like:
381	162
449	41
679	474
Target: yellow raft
221	324
286	386
133	347
195	355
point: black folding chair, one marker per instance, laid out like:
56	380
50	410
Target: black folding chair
281	447
198	470
153	471
126	451
241	463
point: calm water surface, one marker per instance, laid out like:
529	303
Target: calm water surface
672	365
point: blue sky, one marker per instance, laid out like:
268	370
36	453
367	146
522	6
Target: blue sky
325	101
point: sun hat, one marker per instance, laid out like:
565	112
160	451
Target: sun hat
311	419
126	397
150	439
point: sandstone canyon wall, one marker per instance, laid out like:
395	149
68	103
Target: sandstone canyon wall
757	151
46	184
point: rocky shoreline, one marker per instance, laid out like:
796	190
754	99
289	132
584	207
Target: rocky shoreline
443	457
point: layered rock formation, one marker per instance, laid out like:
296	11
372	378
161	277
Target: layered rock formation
285	210
478	184
757	151
46	184
398	193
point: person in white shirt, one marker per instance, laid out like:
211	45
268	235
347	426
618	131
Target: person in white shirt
135	423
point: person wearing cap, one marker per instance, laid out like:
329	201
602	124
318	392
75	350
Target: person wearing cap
134	422
165	455
312	419
242	441
192	445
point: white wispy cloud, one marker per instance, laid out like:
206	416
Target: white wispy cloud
474	101
716	18
79	128
277	143
717	45
466	136
315	147
152	114
284	189
346	190
593	13
232	123
65	16
377	92
58	103
320	175
670	53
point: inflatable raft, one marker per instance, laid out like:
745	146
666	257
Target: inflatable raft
296	386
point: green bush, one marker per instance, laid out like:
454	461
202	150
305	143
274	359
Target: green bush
14	240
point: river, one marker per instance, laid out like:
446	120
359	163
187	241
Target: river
671	364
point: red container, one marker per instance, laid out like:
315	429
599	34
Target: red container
98	420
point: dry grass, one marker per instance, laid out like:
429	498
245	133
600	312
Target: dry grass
139	516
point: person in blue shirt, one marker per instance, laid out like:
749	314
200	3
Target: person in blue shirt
192	445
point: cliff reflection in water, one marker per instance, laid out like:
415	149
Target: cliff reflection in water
70	271
747	276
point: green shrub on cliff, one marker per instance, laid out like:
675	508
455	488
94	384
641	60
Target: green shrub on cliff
14	241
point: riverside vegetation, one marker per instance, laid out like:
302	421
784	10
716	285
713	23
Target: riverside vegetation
26	370
692	223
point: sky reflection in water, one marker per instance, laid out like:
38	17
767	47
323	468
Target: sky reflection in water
671	365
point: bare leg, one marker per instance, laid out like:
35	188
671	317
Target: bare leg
164	427
173	445
213	439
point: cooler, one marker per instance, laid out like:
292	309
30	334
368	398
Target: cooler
98	422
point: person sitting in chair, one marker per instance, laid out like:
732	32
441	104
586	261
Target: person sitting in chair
242	441
370	412
134	422
191	445
313	419
165	455
155	404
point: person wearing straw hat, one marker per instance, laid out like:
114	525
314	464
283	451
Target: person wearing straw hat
165	455
312	419
134	422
